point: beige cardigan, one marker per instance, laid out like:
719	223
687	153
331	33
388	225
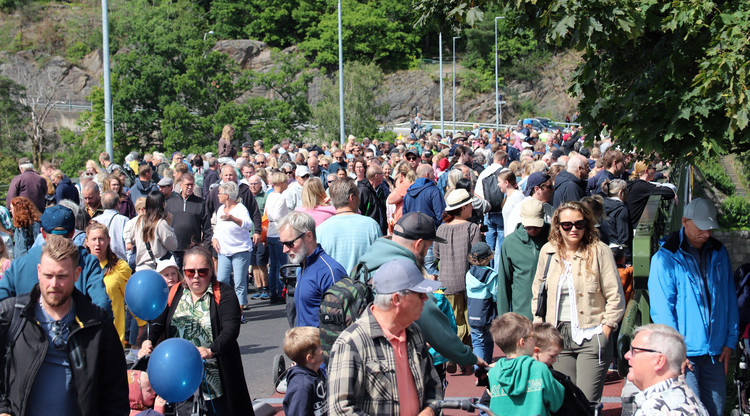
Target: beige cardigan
600	298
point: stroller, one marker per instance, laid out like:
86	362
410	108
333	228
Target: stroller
742	369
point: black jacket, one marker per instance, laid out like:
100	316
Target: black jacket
567	188
638	194
211	205
372	204
225	327
617	224
94	352
66	190
210	177
187	217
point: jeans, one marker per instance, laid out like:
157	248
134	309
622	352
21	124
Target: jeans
482	344
495	230
708	382
430	263
276	259
239	263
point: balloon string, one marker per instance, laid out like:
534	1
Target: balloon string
204	381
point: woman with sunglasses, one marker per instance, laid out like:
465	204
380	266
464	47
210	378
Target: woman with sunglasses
585	300
209	320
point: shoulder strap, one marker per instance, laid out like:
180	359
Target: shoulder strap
172	292
546	268
357	272
217	292
150	253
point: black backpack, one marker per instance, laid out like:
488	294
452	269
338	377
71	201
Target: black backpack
342	304
574	401
492	192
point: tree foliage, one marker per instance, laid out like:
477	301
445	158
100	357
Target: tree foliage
13	114
362	114
667	76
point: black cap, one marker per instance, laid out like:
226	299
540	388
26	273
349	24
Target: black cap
534	180
481	249
416	225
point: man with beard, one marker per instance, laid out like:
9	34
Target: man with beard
57	342
319	270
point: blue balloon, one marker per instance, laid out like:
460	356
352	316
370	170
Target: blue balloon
146	294
175	369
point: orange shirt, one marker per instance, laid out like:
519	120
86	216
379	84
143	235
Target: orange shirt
407	390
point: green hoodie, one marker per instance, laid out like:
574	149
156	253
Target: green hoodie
523	386
435	326
518	258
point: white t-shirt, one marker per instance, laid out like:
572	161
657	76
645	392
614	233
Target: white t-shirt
233	238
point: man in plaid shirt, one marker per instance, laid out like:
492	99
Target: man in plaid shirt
381	365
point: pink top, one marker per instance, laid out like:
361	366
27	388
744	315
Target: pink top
319	213
4	265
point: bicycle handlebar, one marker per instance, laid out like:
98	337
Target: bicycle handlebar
469	405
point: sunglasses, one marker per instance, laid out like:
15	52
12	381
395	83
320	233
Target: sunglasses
202	273
411	158
331	181
290	244
567	225
59	338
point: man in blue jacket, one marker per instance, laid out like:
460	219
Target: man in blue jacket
691	289
21	277
425	197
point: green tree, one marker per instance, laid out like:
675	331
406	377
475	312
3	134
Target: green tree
670	77
373	31
363	115
14	116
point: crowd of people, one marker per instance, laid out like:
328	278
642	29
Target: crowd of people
467	239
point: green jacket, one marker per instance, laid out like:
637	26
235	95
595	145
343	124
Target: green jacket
519	254
523	386
434	324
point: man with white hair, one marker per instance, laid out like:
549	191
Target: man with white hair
656	355
29	184
570	184
381	363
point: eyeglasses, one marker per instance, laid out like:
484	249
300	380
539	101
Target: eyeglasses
58	340
202	273
290	244
288	172
567	225
634	350
262	162
330	181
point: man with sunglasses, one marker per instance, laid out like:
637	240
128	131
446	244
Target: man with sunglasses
655	357
691	289
319	271
57	341
339	161
412	156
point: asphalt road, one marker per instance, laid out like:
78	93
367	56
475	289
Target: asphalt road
260	340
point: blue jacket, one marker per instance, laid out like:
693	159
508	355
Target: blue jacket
21	277
423	196
678	297
319	272
66	190
481	296
306	392
141	188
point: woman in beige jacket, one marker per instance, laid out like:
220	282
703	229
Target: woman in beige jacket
585	300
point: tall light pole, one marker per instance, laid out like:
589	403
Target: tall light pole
341	82
108	123
442	118
497	100
454	83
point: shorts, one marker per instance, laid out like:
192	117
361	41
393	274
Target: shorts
259	255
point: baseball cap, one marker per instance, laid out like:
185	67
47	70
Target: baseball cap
703	214
23	161
532	213
162	265
302	171
413	151
535	179
401	274
481	249
57	216
416	225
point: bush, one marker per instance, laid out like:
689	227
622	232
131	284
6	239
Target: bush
76	52
735	213
715	173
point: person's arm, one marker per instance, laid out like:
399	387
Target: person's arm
7	283
504	280
614	296
167	236
230	320
254	214
662	291
345	380
537	283
437	331
554	392
438	205
93	286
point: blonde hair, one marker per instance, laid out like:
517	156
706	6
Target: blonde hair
300	341
278	177
227	132
59	248
639	169
313	193
547	336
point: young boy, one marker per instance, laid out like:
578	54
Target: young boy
549	344
306	392
481	299
520	385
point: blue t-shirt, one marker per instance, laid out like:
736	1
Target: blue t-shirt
53	385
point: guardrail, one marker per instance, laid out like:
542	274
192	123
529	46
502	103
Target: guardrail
69	105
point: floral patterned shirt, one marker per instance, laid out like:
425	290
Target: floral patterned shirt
667	398
193	323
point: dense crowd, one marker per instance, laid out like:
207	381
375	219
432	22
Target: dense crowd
516	225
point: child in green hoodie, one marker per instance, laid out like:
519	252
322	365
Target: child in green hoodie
520	385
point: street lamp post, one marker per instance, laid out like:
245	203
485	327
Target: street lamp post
454	83
205	35
108	122
497	101
442	118
341	82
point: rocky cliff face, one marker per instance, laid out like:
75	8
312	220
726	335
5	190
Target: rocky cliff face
405	92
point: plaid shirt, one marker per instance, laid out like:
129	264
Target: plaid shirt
362	370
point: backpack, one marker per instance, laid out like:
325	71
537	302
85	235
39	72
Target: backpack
574	401
492	192
129	175
342	304
214	288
